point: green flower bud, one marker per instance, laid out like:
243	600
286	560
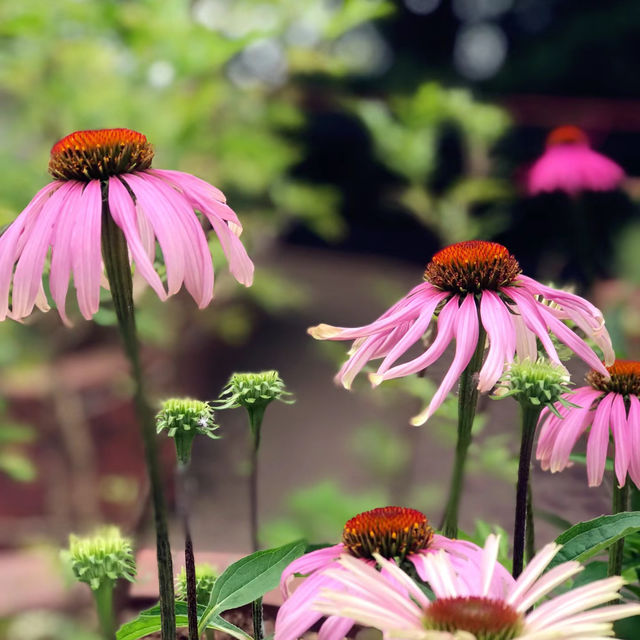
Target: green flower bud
206	576
101	558
539	384
252	390
182	419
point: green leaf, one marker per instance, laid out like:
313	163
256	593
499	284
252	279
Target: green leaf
250	578
149	622
586	539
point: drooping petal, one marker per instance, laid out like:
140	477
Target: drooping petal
240	264
572	428
86	255
634	434
10	239
621	438
198	276
466	333
498	323
62	242
335	628
309	562
446	328
123	211
167	228
598	442
405	309
28	275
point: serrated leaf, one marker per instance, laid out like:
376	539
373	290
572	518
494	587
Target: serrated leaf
250	578
586	539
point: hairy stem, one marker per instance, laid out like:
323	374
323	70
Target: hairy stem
116	260
530	532
467	403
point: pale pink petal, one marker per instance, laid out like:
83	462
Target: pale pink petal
308	563
166	226
28	275
598	442
621	437
86	256
551	579
405	309
365	352
529	311
62	242
634	433
193	187
335	628
11	238
240	264
446	327
572	428
124	213
496	319
534	569
412	334
466	333
526	346
198	276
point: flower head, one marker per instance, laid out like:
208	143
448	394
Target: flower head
606	404
108	172
465	608
538	383
205	579
103	557
183	419
570	165
251	390
471	286
395	533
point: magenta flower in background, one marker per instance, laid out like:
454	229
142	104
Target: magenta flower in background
466	607
470	284
393	532
570	165
108	172
607	405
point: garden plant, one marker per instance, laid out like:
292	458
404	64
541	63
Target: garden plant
474	332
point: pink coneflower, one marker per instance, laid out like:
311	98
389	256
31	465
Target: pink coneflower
108	172
570	165
471	286
391	532
606	405
466	608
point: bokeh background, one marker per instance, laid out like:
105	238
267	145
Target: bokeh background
354	138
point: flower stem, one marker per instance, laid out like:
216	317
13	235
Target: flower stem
104	605
530	415
256	414
467	403
116	260
258	621
530	532
189	559
620	505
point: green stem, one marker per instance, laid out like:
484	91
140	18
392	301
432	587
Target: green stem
258	621
620	505
104	605
530	415
116	260
256	414
189	559
530	532
467	403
